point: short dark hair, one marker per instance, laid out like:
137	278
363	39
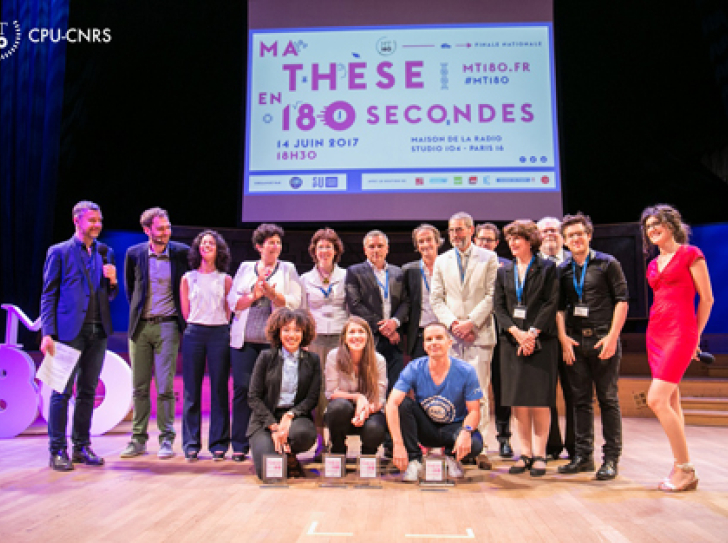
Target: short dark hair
435	232
281	317
83	206
526	229
148	216
222	258
373	233
437	324
488	226
579	218
669	216
326	234
265	231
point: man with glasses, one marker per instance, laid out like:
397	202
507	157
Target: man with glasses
592	309
552	248
463	282
487	236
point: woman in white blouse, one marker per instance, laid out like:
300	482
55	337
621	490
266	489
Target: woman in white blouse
356	387
325	297
259	287
203	293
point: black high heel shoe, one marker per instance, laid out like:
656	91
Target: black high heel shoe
538	472
527	462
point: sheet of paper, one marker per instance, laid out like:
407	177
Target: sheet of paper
56	370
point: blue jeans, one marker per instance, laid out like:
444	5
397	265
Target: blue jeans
91	341
242	362
209	343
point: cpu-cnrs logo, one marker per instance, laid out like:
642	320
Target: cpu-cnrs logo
10	36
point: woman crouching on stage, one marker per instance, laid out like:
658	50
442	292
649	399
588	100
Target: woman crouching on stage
284	390
356	387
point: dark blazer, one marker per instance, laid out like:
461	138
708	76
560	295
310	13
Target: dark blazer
541	298
265	387
136	280
66	291
413	287
364	299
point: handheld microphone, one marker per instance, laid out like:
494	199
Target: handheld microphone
103	250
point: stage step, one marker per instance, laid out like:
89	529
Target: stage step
699	417
704	403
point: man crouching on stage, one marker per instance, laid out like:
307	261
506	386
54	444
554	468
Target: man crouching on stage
445	410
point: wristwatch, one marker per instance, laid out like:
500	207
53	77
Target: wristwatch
468	428
533	331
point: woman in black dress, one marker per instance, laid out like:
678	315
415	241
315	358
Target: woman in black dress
526	300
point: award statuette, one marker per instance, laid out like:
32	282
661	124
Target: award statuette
435	471
368	472
275	470
334	470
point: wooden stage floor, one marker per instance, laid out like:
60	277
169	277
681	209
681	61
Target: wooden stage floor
149	500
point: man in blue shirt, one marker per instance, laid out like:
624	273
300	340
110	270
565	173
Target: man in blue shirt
444	412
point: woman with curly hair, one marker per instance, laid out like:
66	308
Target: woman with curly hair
203	293
356	387
284	390
259	287
673	331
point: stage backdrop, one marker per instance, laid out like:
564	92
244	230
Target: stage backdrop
406	110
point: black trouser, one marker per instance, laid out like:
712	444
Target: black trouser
242	362
206	345
416	427
338	420
301	437
555	445
502	412
419	349
395	361
395	364
588	373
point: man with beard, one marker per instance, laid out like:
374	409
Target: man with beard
463	282
79	281
153	272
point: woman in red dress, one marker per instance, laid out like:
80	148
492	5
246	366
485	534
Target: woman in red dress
673	332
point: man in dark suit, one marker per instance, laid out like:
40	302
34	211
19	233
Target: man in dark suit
153	271
79	280
417	280
552	248
375	292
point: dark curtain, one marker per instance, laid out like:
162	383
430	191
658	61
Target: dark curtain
31	83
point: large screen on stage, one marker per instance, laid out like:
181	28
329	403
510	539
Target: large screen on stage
398	111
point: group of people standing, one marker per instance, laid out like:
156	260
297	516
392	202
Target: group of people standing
326	349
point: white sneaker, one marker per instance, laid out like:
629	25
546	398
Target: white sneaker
454	468
413	472
165	450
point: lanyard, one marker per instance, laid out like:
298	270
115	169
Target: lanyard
424	275
460	266
519	285
384	287
579	286
326	292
